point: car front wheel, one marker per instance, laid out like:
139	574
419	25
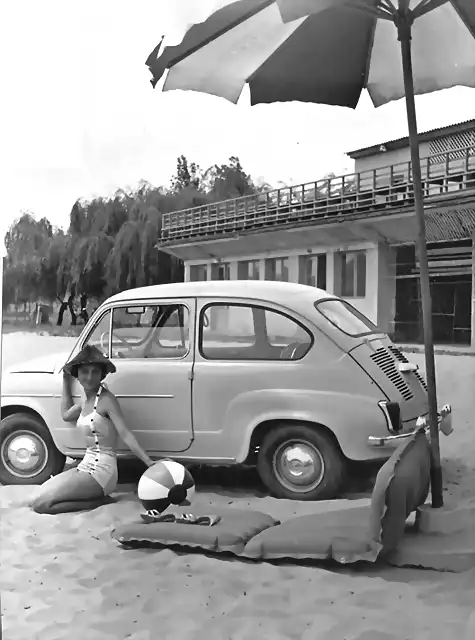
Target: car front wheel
299	462
28	454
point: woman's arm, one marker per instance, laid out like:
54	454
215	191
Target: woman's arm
69	411
115	414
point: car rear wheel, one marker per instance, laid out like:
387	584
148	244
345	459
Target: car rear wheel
28	454
299	462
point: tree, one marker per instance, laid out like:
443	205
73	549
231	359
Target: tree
93	228
27	243
228	181
187	175
134	259
262	186
112	243
77	220
55	265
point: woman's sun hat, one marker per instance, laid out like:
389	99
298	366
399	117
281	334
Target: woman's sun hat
89	355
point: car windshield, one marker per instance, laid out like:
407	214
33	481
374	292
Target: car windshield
346	318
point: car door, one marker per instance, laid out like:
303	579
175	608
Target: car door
151	344
245	351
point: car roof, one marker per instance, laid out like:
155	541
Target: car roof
279	292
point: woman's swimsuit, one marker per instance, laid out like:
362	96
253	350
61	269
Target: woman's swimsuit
100	460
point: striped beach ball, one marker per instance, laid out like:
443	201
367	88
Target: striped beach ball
164	483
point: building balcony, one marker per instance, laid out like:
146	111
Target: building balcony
382	193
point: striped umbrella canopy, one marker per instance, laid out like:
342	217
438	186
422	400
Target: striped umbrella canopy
328	51
323	51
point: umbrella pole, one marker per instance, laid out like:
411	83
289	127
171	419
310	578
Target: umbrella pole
1	342
436	470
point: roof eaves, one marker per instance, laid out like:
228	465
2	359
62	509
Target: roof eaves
399	143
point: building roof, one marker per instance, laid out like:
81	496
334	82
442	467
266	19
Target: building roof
285	293
400	143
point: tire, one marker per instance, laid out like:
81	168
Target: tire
329	463
35	437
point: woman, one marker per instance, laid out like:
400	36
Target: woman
101	421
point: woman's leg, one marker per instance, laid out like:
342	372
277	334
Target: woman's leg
71	490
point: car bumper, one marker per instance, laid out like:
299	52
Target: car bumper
445	425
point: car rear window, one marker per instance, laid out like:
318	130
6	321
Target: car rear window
346	318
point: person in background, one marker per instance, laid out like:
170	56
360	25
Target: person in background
83	304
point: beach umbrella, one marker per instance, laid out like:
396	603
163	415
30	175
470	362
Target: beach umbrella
328	51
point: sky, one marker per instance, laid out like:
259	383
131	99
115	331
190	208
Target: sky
79	117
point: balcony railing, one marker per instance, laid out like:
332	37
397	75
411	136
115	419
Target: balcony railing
383	188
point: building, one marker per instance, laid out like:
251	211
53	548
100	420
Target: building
353	235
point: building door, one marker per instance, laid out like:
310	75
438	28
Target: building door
450	272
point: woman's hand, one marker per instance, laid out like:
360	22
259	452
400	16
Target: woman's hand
69	411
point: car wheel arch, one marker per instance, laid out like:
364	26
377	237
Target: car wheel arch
13	409
261	430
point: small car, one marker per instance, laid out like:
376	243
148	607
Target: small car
281	376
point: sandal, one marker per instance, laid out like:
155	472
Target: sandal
207	521
155	516
179	518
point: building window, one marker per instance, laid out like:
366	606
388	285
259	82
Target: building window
353	274
249	270
198	272
277	269
220	271
313	270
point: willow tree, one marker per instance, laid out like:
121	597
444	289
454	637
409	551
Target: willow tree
27	243
124	268
134	260
93	230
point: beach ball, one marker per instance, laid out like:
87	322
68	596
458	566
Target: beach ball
164	483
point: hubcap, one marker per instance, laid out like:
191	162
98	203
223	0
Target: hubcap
299	466
24	454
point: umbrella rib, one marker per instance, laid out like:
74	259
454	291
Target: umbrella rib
256	71
370	53
470	27
379	12
217	34
388	6
425	6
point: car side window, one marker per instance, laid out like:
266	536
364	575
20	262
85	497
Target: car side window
100	335
248	332
150	331
290	337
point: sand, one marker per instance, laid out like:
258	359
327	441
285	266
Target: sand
63	576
